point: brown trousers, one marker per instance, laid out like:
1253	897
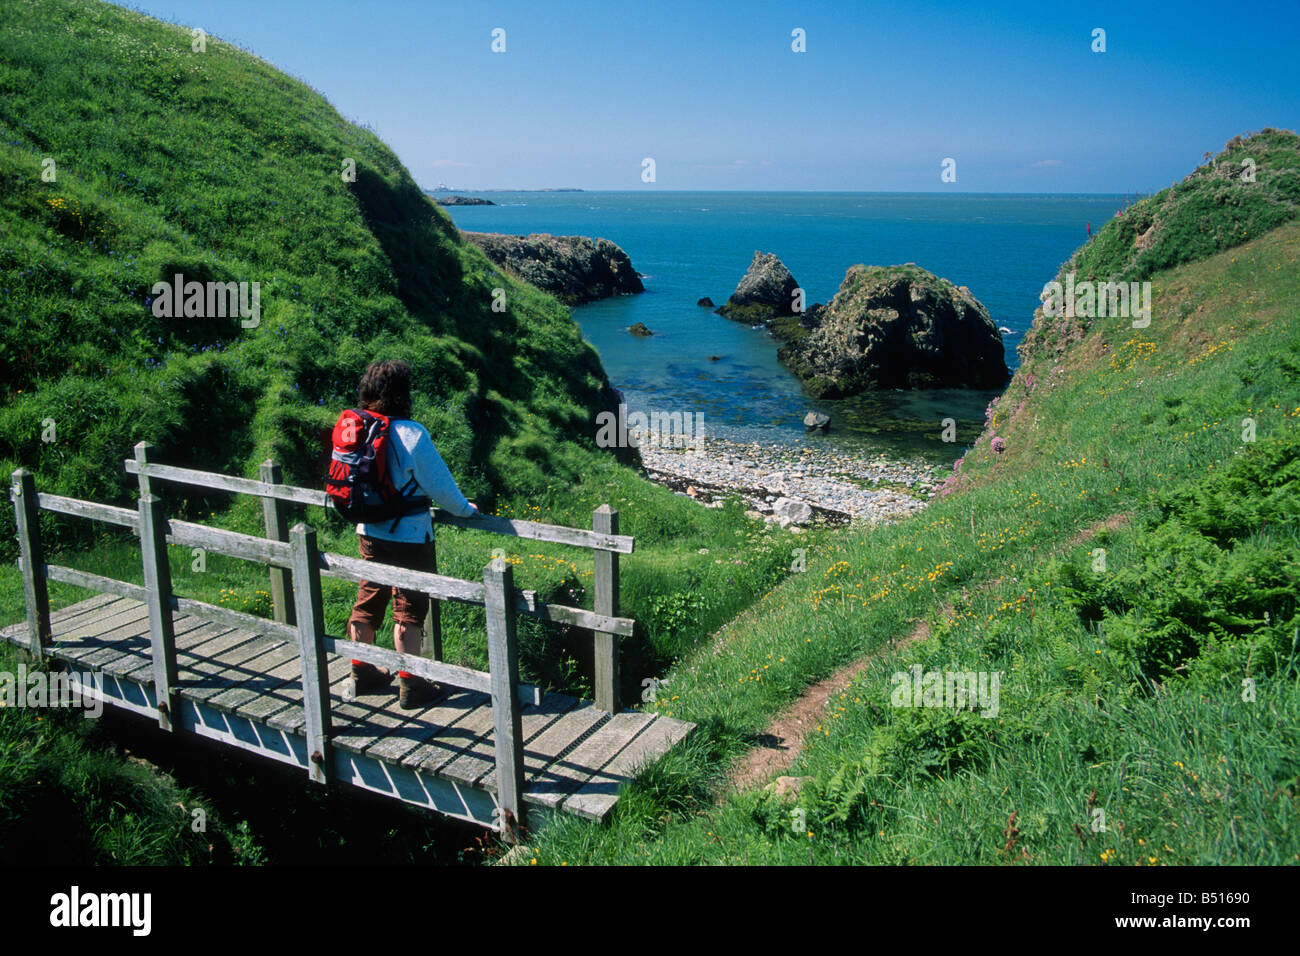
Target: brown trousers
409	607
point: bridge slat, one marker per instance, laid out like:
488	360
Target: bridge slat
126	649
72	627
453	741
87	604
386	716
271	670
17	632
585	761
128	641
236	669
80	607
541	751
189	647
480	759
217	668
121	639
101	621
81	620
355	725
294	717
359	722
426	723
286	694
597	796
106	632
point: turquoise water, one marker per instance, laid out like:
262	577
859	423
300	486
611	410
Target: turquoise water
693	244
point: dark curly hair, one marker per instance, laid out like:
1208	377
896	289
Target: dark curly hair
386	388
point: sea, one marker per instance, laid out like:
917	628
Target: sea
687	245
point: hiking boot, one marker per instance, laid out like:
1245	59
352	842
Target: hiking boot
413	692
368	679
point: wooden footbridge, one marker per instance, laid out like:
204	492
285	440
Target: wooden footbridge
492	750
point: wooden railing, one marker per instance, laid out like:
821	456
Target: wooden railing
296	566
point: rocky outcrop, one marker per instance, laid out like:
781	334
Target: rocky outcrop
639	330
574	269
705	303
894	327
463	201
766	292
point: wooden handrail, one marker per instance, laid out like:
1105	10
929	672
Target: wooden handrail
126	517
278	554
220	482
555	533
495	524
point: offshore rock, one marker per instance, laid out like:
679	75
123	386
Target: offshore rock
894	327
765	292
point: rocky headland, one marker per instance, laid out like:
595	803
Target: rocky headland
575	269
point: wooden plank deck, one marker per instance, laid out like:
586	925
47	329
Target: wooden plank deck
244	689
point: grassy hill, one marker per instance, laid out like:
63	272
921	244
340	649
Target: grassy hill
1251	187
213	164
1126	563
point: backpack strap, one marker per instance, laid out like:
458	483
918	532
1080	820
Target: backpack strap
417	503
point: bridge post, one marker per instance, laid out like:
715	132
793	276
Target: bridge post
605	586
507	722
143	451
276	520
311	650
158	593
35	593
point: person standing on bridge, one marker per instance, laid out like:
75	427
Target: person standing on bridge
413	462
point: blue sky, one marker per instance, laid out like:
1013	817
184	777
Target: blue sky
715	95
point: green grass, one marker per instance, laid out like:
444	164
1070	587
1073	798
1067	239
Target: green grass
1127	683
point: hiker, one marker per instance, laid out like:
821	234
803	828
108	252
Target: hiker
415	467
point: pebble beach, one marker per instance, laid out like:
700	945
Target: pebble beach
840	487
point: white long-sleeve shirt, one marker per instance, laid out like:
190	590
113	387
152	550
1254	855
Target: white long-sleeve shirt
411	454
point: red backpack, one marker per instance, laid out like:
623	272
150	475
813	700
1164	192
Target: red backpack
359	483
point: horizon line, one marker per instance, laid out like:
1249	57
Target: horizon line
460	190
